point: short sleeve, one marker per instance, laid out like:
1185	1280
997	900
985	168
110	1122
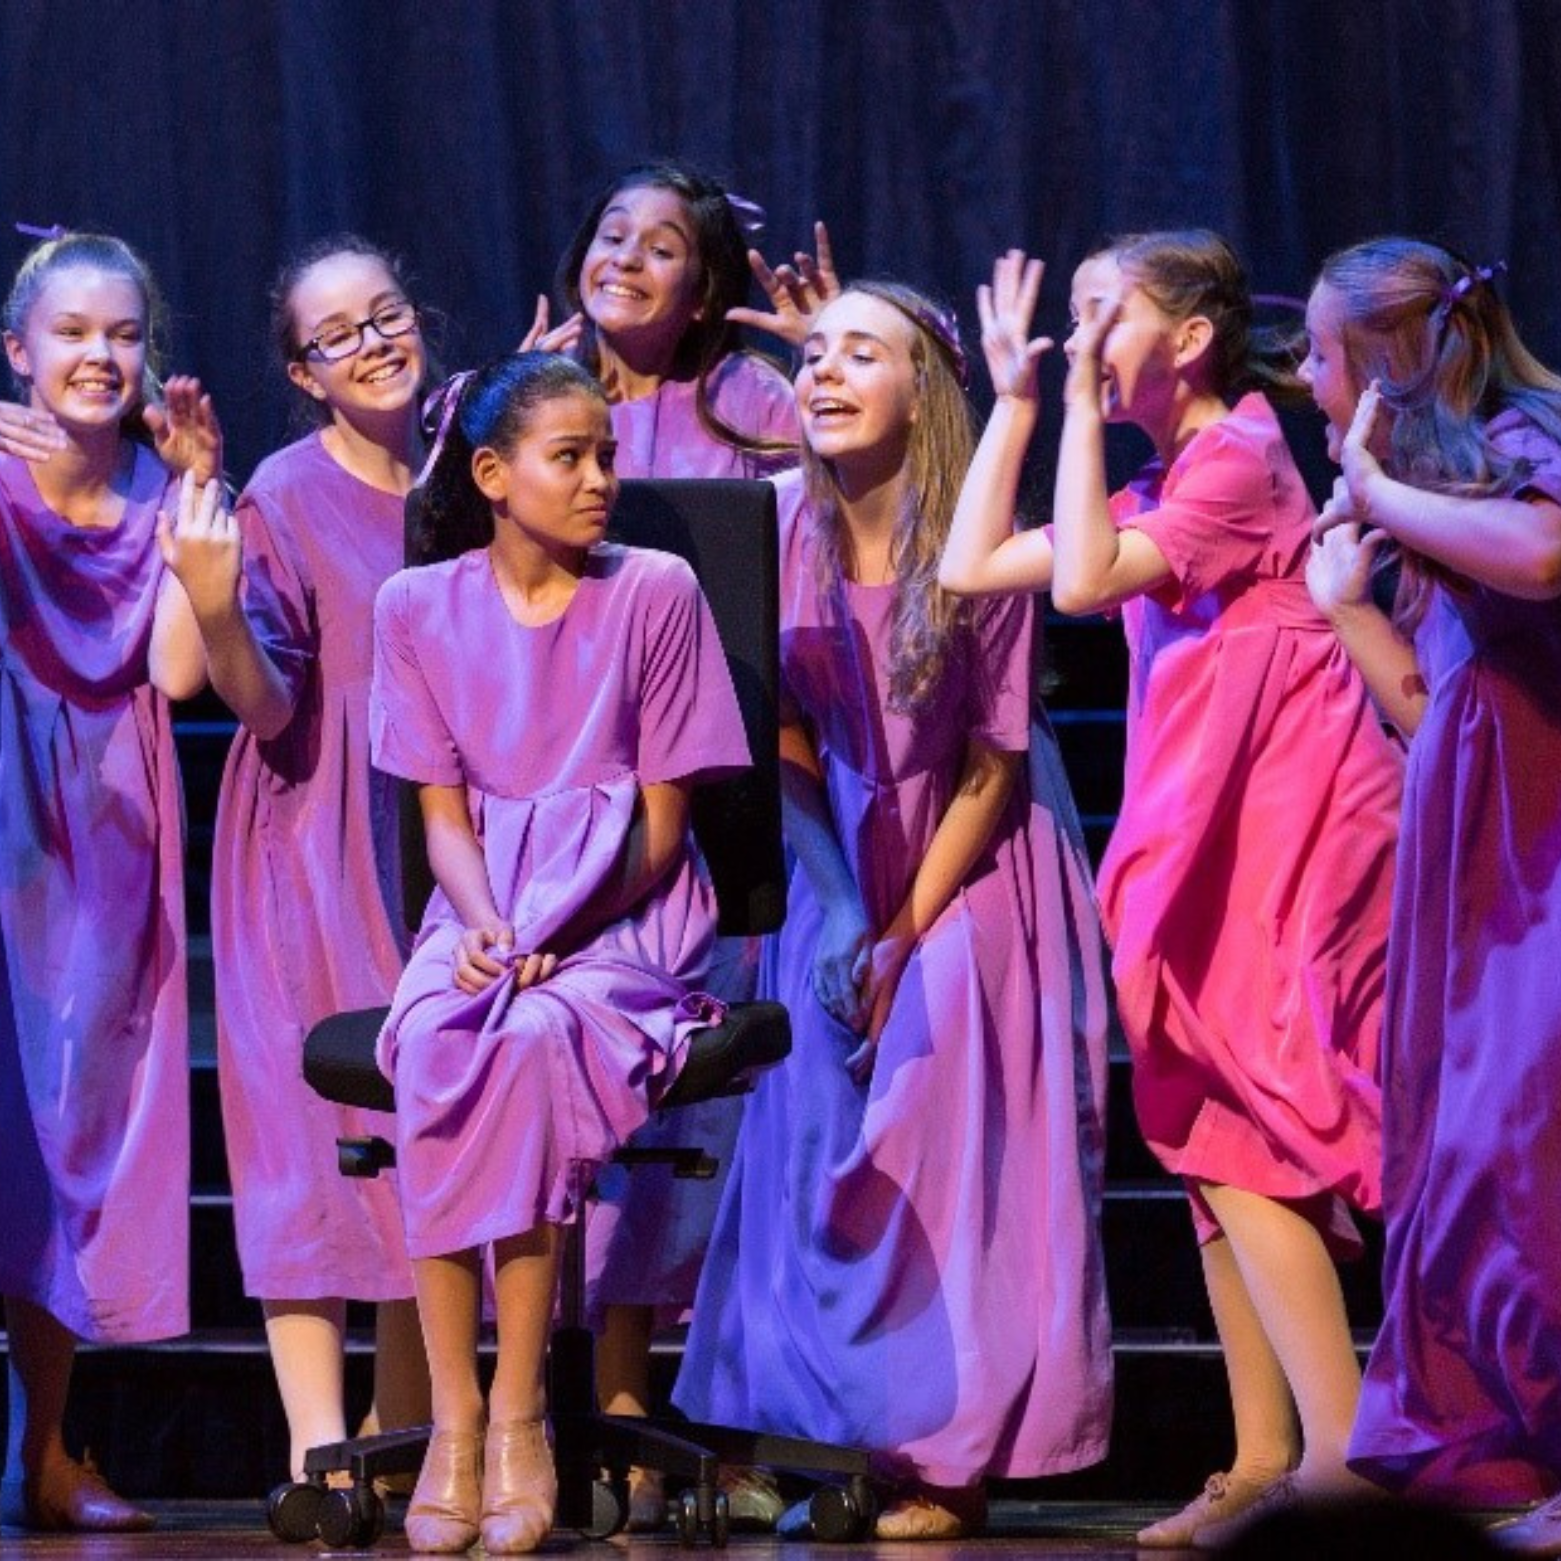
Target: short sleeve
1001	673
1220	506
1519	439
690	726
407	734
277	598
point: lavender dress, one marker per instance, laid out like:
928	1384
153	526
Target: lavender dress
915	1266
94	1076
305	891
648	1231
1462	1398
506	1101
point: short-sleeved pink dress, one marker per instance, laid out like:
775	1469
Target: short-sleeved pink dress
914	1266
1462	1397
1247	887
94	1070
506	1101
305	890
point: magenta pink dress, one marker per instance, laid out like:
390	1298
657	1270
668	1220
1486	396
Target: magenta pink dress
648	1229
305	887
94	1071
1247	887
1462	1398
660	435
914	1266
506	1101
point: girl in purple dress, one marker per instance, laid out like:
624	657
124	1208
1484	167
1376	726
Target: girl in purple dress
95	638
1449	434
1247	886
907	1256
658	270
555	699
306	907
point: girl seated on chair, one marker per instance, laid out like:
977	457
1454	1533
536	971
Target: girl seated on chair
555	698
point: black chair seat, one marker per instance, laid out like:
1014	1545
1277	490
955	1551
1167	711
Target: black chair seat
339	1056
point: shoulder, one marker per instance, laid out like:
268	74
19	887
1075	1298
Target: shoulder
411	593
283	470
1514	433
1245	449
752	393
644	570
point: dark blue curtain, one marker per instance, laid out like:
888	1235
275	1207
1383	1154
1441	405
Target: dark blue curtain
218	135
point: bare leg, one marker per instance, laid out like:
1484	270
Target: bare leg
41	1354
1295	1294
402	1395
623	1360
306	1339
1267	1437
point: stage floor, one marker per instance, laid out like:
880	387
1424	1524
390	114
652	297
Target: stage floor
214	1531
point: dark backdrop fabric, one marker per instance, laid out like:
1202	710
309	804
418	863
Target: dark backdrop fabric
219	135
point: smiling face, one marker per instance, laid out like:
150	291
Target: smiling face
1138	361
857	389
556	484
641	279
82	347
1325	370
383	375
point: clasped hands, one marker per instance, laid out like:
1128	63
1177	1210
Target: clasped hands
485	954
855	978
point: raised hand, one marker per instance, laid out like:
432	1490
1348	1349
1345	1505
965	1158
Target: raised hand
476	967
1084	349
185	429
1006	309
1360	464
200	545
28	433
797	292
561	338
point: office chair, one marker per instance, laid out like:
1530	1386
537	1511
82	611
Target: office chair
727	532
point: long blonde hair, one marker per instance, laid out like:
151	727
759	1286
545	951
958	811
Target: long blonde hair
942	441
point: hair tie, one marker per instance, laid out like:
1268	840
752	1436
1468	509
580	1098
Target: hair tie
445	400
1466	284
749	214
54	231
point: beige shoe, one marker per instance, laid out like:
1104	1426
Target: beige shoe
1223	1496
519	1487
1281	1495
443	1514
69	1497
934	1512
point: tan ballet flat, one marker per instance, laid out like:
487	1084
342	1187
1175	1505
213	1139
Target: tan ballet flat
519	1487
442	1517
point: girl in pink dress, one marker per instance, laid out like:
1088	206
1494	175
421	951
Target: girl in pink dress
658	269
1449	434
95	638
1246	889
306	900
555	699
907	1256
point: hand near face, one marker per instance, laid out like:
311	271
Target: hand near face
797	292
1360	464
185	429
1006	309
200	544
29	434
1085	348
561	338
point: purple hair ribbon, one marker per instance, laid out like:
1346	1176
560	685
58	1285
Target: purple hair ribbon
1467	283
54	231
445	400
750	214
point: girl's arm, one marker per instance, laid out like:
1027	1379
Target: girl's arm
984	555
1512	545
963	833
1097	566
455	855
840	957
1338	574
176	659
204	552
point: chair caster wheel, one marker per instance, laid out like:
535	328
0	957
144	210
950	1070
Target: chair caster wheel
721	1521
351	1519
609	1508
687	1514
840	1514
293	1511
691	1528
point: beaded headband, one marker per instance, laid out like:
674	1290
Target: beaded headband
941	325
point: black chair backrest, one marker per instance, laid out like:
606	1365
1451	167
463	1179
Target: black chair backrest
726	529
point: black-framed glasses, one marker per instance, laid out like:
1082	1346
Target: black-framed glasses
340	341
